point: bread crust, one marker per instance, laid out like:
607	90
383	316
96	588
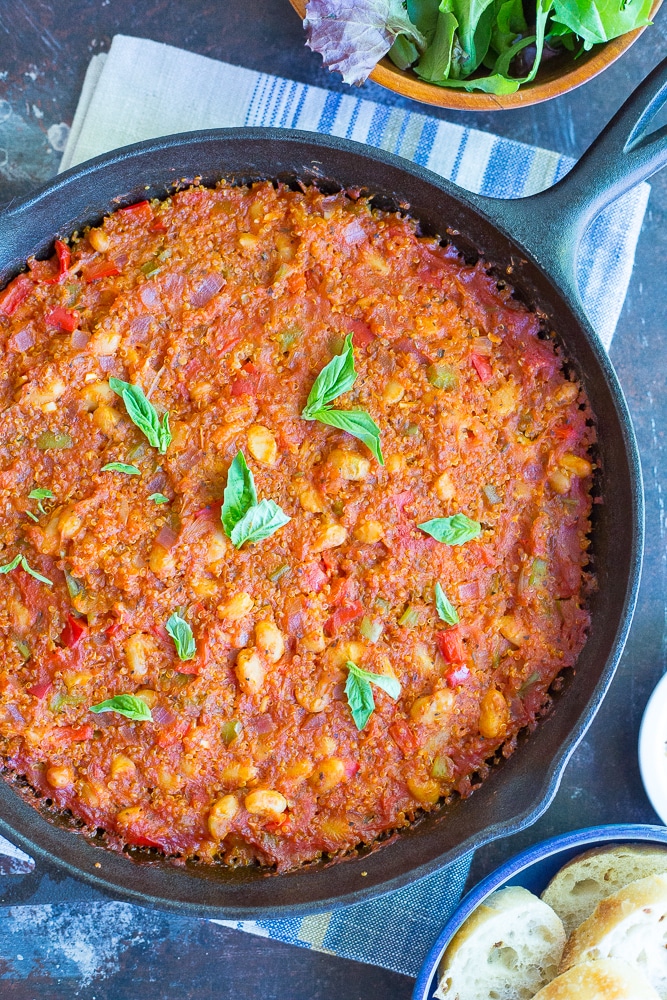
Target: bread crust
608	979
578	887
510	945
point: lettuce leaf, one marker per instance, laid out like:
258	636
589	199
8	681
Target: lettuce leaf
598	21
353	35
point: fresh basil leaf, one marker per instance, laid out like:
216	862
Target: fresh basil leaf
8	567
259	522
360	699
360	695
435	64
358	423
23	563
33	572
240	494
40	494
353	35
454	530
143	414
129	470
181	633
125	704
158	498
446	610
337	377
599	21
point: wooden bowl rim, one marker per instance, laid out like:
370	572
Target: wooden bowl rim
407	84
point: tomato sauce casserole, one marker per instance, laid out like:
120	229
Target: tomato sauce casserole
294	517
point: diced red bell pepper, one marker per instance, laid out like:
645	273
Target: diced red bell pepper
457	676
40	690
63	319
140	210
312	578
158	226
112	630
482	367
247	384
362	335
450	644
403	737
73	734
342	616
351	768
211	510
73	632
15	293
101	269
138	840
64	261
344	588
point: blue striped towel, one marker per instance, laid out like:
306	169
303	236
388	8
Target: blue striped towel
144	89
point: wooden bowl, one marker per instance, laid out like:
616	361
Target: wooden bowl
557	76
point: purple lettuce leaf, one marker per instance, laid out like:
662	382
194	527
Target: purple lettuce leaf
353	35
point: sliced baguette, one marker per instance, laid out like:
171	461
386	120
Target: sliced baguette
578	887
507	949
630	925
608	979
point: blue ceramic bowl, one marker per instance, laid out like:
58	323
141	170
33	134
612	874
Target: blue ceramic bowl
532	869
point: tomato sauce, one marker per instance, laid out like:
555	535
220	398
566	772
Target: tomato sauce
223	306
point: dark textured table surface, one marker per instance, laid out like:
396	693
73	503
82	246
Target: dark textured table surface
116	952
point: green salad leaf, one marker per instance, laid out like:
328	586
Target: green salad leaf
598	21
143	414
360	694
466	44
181	633
125	704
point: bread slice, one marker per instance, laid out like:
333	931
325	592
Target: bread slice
578	887
630	925
506	950
608	979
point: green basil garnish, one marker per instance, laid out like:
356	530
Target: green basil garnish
129	470
454	530
444	607
125	704
240	494
360	695
337	377
261	521
181	633
143	414
243	518
23	563
40	494
158	498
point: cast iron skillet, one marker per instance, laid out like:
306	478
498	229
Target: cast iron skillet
535	241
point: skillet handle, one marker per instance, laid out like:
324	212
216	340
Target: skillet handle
552	223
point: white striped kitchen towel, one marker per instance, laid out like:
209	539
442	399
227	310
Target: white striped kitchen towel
145	89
